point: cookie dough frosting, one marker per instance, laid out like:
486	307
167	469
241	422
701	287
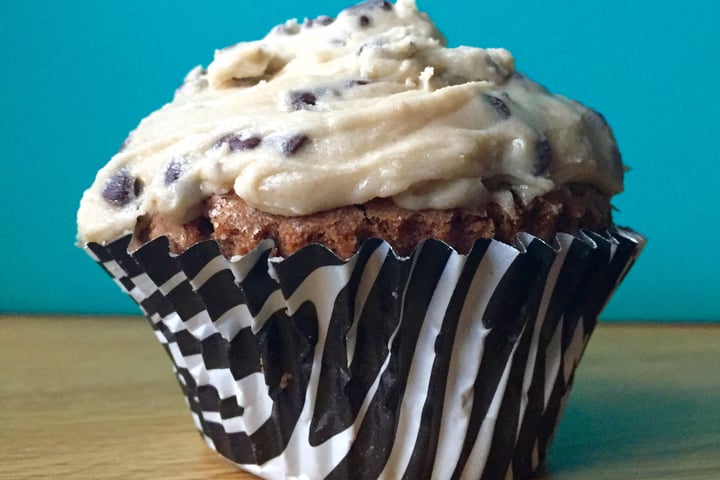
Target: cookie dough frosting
334	112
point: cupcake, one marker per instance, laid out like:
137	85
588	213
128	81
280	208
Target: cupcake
367	255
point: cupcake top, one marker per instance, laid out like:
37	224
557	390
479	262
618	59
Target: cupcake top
334	112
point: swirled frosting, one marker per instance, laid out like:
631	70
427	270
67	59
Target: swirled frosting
333	112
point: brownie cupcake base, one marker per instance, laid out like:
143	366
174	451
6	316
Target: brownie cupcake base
434	365
238	227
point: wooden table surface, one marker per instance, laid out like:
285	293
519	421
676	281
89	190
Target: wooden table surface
94	398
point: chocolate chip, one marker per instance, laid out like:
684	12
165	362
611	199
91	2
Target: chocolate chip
364	21
121	188
293	144
301	100
543	156
528	84
500	107
372	43
287	28
371	4
322	20
238	143
521	79
353	83
491	63
173	171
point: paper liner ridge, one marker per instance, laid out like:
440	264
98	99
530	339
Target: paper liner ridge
437	365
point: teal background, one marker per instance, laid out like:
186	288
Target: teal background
76	76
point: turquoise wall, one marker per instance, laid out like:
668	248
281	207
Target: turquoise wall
76	76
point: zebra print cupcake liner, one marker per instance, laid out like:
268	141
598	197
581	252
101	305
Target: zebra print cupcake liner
437	365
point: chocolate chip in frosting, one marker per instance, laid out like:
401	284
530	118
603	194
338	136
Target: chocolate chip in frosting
322	20
521	80
238	143
500	107
121	188
543	156
372	43
292	145
371	4
491	63
173	171
527	84
337	42
353	83
287	28
364	21
302	100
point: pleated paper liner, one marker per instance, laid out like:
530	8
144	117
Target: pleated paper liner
437	365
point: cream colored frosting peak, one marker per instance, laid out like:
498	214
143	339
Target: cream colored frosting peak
328	112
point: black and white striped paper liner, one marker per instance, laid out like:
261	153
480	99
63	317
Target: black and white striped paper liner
432	366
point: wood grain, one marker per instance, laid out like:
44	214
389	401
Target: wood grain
88	398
